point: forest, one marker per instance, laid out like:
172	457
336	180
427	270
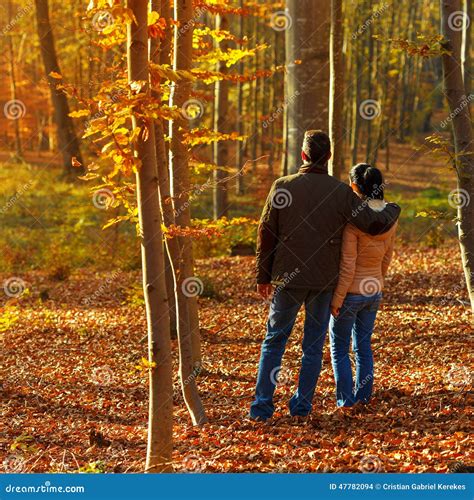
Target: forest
140	141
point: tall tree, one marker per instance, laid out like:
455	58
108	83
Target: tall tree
221	125
160	420
467	46
189	340
307	53
240	108
67	140
160	53
463	137
13	86
336	96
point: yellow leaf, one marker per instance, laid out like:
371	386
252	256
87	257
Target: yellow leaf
152	17
79	113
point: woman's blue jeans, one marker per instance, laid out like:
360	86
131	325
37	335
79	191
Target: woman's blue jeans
283	311
356	319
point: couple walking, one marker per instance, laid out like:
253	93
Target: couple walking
327	245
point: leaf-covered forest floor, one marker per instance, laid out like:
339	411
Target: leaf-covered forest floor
74	399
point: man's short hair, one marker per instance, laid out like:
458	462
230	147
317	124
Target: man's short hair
317	146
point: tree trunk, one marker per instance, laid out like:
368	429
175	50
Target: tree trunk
466	46
221	148
370	89
336	99
463	138
160	54
254	94
167	41
356	118
190	349
284	147
384	129
239	188
307	41
16	119
160	422
67	140
180	182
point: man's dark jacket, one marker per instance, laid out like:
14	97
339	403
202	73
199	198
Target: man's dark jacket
300	232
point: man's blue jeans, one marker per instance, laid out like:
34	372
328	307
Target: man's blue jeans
283	311
356	319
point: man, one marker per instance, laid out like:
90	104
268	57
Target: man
298	250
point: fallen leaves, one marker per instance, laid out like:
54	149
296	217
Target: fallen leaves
71	386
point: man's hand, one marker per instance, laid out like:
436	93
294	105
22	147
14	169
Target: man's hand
265	291
335	311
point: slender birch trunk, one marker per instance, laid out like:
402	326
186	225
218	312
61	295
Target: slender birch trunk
187	285
160	54
160	420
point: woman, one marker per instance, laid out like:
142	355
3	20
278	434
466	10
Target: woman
364	263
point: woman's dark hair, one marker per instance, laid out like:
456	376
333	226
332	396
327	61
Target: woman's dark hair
369	180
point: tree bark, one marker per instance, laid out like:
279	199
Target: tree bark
160	420
67	140
370	89
167	42
336	99
255	129
16	122
189	341
179	158
239	188
160	54
466	46
307	40
463	137
221	148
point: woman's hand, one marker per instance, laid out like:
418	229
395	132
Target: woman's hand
335	311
